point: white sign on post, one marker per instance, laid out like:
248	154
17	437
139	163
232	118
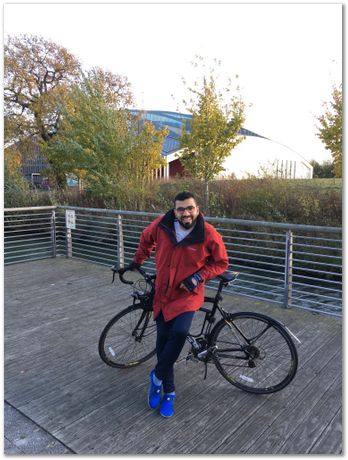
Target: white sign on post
70	219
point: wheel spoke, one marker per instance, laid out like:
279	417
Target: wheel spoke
129	338
255	353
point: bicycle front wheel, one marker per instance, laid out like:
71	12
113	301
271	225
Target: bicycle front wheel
254	352
129	338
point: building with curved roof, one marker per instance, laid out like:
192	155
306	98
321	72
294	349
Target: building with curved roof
256	155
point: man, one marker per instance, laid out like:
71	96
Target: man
189	251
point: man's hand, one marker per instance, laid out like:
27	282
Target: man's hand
191	282
133	266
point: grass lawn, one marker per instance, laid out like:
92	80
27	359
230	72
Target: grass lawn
329	184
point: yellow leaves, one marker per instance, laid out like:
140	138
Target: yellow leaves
37	74
114	89
13	159
330	131
145	152
81	173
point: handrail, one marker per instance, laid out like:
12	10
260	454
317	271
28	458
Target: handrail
113	211
227	220
31	208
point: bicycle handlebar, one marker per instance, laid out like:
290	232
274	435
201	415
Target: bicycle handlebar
122	271
225	277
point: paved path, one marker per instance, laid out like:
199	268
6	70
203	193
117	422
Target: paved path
61	398
23	436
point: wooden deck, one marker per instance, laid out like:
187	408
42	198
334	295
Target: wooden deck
55	310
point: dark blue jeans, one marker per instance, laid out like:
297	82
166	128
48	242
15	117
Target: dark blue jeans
171	337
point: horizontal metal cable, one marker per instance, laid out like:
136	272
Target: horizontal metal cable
234	244
253	240
304	295
321	280
95	249
238	267
323	288
9	246
46	250
331	248
94	256
304	261
243	231
257	255
21	260
257	262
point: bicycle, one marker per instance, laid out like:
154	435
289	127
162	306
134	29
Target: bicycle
252	351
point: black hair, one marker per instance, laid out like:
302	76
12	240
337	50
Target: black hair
184	196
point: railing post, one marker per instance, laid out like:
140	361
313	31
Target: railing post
288	269
68	238
53	233
120	242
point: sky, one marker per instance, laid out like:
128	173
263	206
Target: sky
288	56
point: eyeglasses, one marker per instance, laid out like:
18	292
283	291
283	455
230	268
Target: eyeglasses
188	208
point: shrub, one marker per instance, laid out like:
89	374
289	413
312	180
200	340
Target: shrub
311	202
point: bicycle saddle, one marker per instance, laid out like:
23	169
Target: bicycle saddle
227	276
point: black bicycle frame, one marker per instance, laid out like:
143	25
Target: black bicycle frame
143	327
210	314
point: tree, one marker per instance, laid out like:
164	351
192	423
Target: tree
15	185
322	170
144	153
103	145
114	88
214	131
91	140
330	129
38	77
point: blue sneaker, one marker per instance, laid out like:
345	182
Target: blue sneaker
167	405
154	397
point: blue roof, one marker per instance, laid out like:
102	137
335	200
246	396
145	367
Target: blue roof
173	121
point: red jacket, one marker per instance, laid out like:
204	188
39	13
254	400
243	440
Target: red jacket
202	250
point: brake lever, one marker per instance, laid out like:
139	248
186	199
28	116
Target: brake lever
114	271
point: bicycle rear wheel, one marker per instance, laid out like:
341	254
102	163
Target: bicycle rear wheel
254	352
129	338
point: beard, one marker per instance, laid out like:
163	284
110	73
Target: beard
187	224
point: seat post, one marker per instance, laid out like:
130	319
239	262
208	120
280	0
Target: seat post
218	294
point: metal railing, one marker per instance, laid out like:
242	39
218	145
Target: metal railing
293	265
29	233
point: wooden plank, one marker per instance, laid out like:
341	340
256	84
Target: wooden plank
255	418
331	439
257	424
281	428
320	417
220	410
55	311
128	436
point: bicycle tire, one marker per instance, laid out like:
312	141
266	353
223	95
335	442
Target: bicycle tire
265	365
120	346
